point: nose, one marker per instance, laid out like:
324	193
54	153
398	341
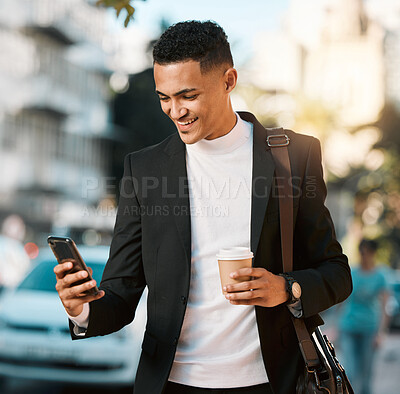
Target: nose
177	110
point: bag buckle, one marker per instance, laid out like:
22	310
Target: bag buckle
313	371
277	143
317	379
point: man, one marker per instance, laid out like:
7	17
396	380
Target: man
205	188
364	319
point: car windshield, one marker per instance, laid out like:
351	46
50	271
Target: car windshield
43	278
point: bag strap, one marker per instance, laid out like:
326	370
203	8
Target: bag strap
278	141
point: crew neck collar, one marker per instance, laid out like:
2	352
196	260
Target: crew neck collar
225	144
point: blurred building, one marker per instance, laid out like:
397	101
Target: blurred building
392	66
56	134
387	14
346	71
329	52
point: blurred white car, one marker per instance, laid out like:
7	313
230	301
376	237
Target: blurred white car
35	342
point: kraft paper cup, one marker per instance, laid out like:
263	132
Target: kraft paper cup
232	259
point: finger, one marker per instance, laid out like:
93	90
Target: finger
243	295
61	269
74	302
252	301
242	286
90	270
69	279
75	291
90	298
256	272
68	260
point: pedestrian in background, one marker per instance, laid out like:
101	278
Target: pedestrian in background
364	320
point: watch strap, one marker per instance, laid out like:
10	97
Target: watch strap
289	283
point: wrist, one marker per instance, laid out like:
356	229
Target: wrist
293	289
75	312
283	289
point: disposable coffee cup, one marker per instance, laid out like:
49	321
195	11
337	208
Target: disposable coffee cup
232	259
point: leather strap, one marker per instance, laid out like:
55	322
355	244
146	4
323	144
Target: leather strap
278	141
283	179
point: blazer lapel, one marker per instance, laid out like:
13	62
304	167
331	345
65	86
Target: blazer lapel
263	172
176	190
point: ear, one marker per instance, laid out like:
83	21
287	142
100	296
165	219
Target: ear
230	79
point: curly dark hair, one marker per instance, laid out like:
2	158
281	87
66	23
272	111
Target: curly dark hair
205	42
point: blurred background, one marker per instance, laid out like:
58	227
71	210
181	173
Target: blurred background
77	95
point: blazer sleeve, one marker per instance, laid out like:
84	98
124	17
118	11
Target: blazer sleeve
123	279
324	274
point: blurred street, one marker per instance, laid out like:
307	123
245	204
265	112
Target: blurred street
386	378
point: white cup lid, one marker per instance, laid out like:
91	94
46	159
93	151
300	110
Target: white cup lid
235	253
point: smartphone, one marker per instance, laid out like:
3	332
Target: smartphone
65	249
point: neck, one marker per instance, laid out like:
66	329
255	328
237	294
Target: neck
367	266
228	122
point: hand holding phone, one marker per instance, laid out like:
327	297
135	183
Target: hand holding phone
75	284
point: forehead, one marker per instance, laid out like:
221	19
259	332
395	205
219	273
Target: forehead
171	78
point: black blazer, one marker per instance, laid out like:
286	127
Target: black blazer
152	247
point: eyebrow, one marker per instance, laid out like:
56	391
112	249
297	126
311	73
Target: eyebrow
183	91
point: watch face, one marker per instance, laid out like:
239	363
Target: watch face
296	290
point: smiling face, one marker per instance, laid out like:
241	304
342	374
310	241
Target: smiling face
198	103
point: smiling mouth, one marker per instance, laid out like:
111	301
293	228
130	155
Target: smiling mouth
188	122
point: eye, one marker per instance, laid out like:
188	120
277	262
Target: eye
162	98
190	97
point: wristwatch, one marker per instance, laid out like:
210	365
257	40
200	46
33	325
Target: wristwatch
293	288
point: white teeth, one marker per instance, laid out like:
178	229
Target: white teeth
186	123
